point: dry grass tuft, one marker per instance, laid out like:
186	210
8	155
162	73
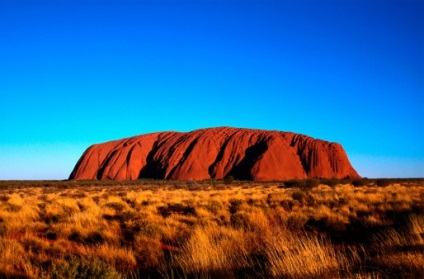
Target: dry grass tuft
291	256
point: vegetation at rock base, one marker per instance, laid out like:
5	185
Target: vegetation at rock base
183	229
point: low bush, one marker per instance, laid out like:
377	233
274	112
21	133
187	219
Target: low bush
229	179
94	238
310	183
239	220
331	182
360	182
176	208
82	268
302	183
383	182
294	183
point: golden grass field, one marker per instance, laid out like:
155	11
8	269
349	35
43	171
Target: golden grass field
209	229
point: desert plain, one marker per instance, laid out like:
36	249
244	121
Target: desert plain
327	228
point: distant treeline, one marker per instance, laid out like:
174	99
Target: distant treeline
207	183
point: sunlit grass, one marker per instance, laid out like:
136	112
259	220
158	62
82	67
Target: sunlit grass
183	229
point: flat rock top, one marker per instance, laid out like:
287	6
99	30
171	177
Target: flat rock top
246	154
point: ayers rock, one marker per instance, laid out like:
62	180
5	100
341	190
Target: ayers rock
246	154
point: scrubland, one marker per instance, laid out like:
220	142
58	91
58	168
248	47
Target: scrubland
212	229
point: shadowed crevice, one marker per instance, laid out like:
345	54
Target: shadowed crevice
105	164
187	152
242	170
153	168
219	157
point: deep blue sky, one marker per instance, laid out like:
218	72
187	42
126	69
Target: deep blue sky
74	73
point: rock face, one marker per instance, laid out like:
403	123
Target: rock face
245	154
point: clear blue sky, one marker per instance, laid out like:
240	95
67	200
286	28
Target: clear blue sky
74	73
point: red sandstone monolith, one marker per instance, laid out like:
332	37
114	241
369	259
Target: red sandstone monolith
245	154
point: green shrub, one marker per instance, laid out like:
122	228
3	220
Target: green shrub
147	228
383	182
180	185
311	182
82	268
360	182
330	182
214	183
302	183
292	183
229	179
194	186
